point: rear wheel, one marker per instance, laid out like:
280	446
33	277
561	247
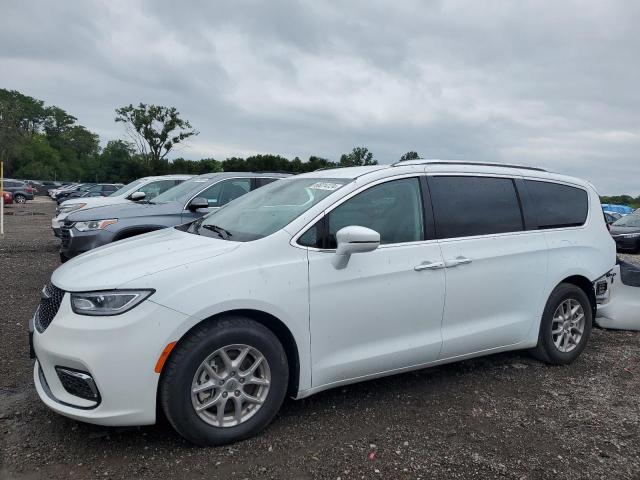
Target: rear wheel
565	327
224	382
19	198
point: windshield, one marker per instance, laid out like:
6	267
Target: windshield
267	209
85	186
628	221
135	184
181	190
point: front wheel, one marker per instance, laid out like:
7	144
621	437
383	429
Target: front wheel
19	198
565	327
225	381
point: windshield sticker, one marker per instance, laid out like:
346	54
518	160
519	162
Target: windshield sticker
325	186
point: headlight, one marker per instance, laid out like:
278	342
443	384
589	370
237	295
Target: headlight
94	224
70	208
109	302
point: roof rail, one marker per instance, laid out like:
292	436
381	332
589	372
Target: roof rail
455	162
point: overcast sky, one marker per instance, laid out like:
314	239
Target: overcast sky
551	84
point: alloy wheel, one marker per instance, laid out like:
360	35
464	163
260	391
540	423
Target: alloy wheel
230	385
567	326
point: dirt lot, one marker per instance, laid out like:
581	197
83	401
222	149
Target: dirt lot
505	416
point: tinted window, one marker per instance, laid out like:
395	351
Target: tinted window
466	206
261	182
153	189
556	205
393	209
223	192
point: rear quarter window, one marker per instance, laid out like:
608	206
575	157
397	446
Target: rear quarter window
556	205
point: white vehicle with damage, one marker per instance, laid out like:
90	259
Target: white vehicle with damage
320	280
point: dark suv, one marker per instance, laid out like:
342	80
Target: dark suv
94	227
20	190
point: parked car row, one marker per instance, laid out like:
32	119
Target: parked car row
304	283
145	188
88	228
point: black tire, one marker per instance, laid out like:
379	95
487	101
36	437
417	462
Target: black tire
19	198
186	358
546	349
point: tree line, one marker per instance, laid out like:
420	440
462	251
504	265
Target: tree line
43	142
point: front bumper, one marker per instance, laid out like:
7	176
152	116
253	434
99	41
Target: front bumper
119	353
56	224
75	242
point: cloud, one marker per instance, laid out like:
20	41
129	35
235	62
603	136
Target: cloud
553	84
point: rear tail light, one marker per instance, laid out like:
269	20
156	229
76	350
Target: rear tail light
29	189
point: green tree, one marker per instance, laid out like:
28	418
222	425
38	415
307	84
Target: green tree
21	117
359	156
410	156
154	129
317	163
38	159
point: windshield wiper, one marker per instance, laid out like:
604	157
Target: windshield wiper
222	233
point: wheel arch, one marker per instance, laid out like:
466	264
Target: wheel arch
279	329
584	284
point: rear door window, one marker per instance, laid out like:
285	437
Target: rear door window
153	189
556	205
466	206
223	192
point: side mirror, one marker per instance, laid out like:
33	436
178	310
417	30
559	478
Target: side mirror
354	239
197	203
135	196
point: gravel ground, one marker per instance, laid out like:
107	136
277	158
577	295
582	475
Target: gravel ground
503	416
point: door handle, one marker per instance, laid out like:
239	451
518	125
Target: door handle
457	261
429	266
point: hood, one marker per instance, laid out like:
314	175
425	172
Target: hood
620	229
121	262
125	210
95	201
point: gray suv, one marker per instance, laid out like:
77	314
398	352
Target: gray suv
94	227
21	191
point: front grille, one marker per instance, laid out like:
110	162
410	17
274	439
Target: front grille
65	234
79	384
49	305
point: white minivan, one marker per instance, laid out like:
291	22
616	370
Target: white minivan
320	280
